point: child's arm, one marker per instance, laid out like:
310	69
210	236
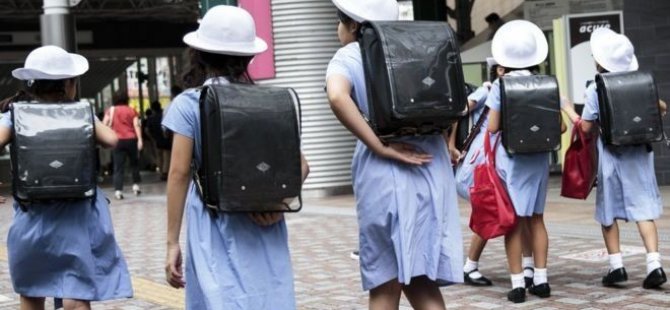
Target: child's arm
105	135
494	121
454	153
138	133
304	167
177	187
339	96
5	136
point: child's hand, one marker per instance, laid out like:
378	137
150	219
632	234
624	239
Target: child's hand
455	154
663	106
266	219
567	105
405	153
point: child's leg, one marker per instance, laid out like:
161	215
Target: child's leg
32	303
611	236
471	267
477	245
617	273
513	250
540	245
73	304
424	294
655	274
527	262
540	240
649	235
386	296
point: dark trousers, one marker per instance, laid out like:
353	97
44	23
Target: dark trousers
125	147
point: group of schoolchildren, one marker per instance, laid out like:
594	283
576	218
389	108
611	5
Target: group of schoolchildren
405	190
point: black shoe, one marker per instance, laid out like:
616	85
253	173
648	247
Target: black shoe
481	281
517	295
528	280
543	290
655	279
354	255
615	276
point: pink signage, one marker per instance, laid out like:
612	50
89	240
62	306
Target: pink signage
263	65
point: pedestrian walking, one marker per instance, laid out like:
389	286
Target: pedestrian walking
519	46
126	124
159	138
627	188
233	260
409	231
58	248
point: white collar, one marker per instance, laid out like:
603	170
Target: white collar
221	80
519	73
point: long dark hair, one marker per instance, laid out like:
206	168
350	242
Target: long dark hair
35	89
204	65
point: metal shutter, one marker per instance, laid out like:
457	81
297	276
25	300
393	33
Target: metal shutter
305	37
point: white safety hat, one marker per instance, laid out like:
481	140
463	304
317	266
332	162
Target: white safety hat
228	30
369	10
51	63
613	51
519	44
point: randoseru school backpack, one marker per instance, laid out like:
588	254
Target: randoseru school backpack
250	148
530	116
53	154
414	77
629	111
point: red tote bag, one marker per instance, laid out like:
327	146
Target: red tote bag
580	166
493	214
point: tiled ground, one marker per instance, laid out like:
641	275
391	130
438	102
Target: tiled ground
323	235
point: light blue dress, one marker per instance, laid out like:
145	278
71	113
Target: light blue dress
627	187
407	216
525	175
475	155
66	250
231	262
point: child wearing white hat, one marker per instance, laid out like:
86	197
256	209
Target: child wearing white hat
627	188
519	46
233	260
83	262
409	231
465	168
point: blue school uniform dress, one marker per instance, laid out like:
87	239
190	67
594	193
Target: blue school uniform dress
526	175
231	262
407	215
475	155
627	187
66	249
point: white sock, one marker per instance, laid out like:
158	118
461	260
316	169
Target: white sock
527	263
540	276
471	265
518	281
653	261
616	261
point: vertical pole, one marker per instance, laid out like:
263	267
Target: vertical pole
57	26
140	95
152	81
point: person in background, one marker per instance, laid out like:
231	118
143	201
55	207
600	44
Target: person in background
158	136
494	23
125	123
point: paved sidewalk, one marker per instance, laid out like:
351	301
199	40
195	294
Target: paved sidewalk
325	232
